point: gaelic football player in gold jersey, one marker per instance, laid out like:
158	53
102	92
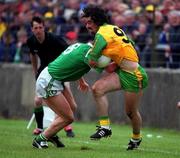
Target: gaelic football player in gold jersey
125	72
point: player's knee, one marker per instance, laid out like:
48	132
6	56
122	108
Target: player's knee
37	101
97	90
129	114
74	107
132	114
70	119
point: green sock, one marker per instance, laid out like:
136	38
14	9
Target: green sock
41	137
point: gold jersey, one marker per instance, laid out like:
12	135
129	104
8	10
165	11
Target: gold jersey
118	46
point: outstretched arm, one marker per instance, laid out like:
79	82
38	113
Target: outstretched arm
83	85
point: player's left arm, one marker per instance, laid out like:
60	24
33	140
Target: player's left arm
99	44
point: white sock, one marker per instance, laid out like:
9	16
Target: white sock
106	127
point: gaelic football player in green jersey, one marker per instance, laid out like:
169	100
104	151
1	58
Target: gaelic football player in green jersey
44	47
71	65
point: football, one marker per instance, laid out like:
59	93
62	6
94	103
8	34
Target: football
103	61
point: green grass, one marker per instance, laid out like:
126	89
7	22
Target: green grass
16	140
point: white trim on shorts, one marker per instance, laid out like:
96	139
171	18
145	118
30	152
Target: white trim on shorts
46	86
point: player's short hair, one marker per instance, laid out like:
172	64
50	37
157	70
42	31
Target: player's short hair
96	13
37	19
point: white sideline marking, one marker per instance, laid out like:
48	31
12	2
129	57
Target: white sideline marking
85	142
143	149
160	151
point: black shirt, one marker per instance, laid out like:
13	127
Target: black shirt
47	51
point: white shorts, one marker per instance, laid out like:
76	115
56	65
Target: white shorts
46	86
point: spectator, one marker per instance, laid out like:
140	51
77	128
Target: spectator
118	20
22	50
71	37
167	6
64	17
7	48
174	39
141	39
136	6
130	22
158	27
161	46
3	27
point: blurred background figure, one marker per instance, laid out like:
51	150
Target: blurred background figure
173	48
71	37
7	48
161	46
62	17
141	38
22	50
3	27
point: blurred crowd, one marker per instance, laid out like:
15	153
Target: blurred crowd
154	26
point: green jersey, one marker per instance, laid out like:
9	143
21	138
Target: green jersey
72	64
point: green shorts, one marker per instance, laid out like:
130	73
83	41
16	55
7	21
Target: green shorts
133	81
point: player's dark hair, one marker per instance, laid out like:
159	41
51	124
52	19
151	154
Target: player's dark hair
37	19
97	14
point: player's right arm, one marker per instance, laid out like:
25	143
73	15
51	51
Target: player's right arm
34	62
33	55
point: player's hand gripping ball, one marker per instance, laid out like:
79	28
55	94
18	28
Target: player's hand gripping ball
103	61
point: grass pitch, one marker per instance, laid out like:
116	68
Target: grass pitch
16	140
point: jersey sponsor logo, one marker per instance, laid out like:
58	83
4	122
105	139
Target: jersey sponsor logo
51	93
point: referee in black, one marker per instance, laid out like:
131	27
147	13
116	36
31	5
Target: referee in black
44	48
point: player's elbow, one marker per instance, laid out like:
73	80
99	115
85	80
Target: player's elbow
92	63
